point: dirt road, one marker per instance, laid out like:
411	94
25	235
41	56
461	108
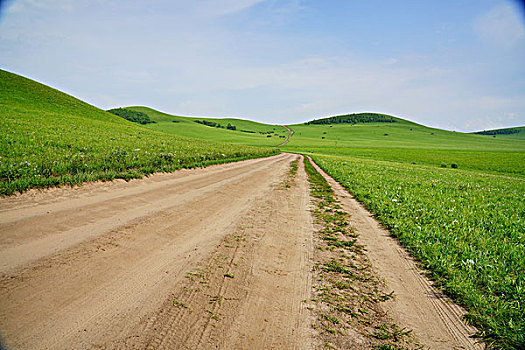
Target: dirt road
291	132
104	265
220	257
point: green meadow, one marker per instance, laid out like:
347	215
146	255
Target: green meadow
49	138
246	132
455	200
465	227
411	143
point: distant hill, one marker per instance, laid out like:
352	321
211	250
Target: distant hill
232	130
517	133
50	138
356	118
408	142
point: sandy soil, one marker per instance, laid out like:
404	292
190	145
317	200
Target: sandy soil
99	266
208	258
435	320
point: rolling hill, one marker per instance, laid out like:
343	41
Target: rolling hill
517	133
50	138
408	142
246	132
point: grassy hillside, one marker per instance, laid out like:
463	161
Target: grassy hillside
408	142
454	200
50	138
247	132
507	133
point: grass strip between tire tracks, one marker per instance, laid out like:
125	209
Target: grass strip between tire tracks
347	293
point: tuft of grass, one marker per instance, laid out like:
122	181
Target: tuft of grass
180	303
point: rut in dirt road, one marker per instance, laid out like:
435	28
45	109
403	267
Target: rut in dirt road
96	266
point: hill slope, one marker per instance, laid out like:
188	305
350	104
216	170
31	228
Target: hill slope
408	142
49	138
246	132
517	133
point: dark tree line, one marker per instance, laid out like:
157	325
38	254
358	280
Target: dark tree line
215	125
498	132
354	119
132	116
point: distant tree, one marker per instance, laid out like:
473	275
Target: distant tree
498	132
132	116
356	118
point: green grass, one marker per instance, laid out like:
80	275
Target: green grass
259	134
515	133
465	227
50	138
408	142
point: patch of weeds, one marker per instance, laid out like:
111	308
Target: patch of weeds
331	319
229	275
392	331
181	304
335	266
290	176
348	294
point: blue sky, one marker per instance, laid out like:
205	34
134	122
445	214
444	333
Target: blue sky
458	65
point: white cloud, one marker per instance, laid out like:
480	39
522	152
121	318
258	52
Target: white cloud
501	26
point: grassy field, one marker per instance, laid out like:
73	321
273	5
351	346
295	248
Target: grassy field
466	228
50	138
455	201
247	132
507	133
408	142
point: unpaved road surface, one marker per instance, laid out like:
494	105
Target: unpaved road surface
291	132
220	257
108	265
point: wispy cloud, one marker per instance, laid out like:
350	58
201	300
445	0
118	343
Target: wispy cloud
276	60
501	26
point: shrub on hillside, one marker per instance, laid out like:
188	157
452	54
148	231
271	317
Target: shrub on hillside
132	116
